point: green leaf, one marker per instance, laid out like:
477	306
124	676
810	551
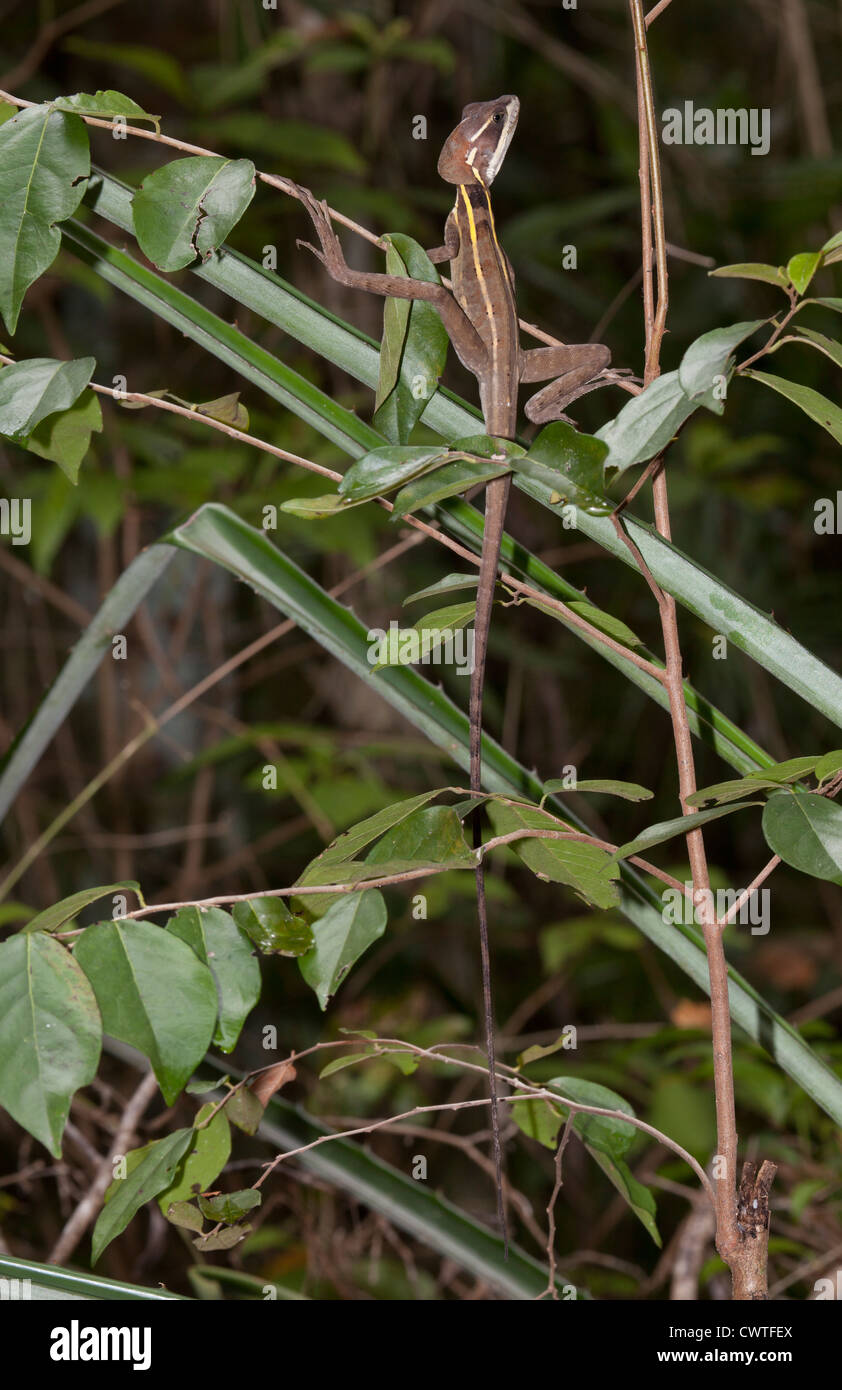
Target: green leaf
244	1110
348	1059
444	586
319	508
145	1180
827	302
806	831
802	268
538	1119
752	270
382	470
830	763
225	949
432	834
56	916
50	1035
610	1136
818	407
414	347
722	792
646	424
347	929
230	1206
680	825
570	463
607	1140
185	209
225	1239
273	928
359	874
186	1215
452	478
37	387
200	1085
348	845
137	972
584	868
829	346
44	162
789	771
107	105
709	357
638	1197
422	641
608	786
228	409
597	617
447	481
203	1160
65	438
536	1053
605	622
489	446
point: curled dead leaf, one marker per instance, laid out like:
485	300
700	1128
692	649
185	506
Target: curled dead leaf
267	1082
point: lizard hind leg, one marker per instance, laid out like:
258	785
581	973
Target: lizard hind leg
576	370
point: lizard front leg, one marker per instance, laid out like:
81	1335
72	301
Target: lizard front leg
466	341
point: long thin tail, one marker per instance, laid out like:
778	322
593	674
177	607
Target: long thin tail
496	499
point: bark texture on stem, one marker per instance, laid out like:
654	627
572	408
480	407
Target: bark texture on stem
749	1268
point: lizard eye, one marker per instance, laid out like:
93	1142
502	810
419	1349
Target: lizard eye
497	117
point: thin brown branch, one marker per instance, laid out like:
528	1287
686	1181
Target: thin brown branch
753	886
405	876
729	1238
88	1208
551	1288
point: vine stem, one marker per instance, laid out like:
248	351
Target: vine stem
729	1242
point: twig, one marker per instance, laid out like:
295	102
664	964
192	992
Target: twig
755	884
528	1093
656	10
557	1162
92	1201
297	890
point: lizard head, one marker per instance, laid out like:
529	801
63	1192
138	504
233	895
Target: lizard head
477	147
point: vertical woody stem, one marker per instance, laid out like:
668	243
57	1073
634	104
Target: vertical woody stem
737	1251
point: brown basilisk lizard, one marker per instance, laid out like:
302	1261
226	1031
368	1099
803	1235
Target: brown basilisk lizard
480	316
